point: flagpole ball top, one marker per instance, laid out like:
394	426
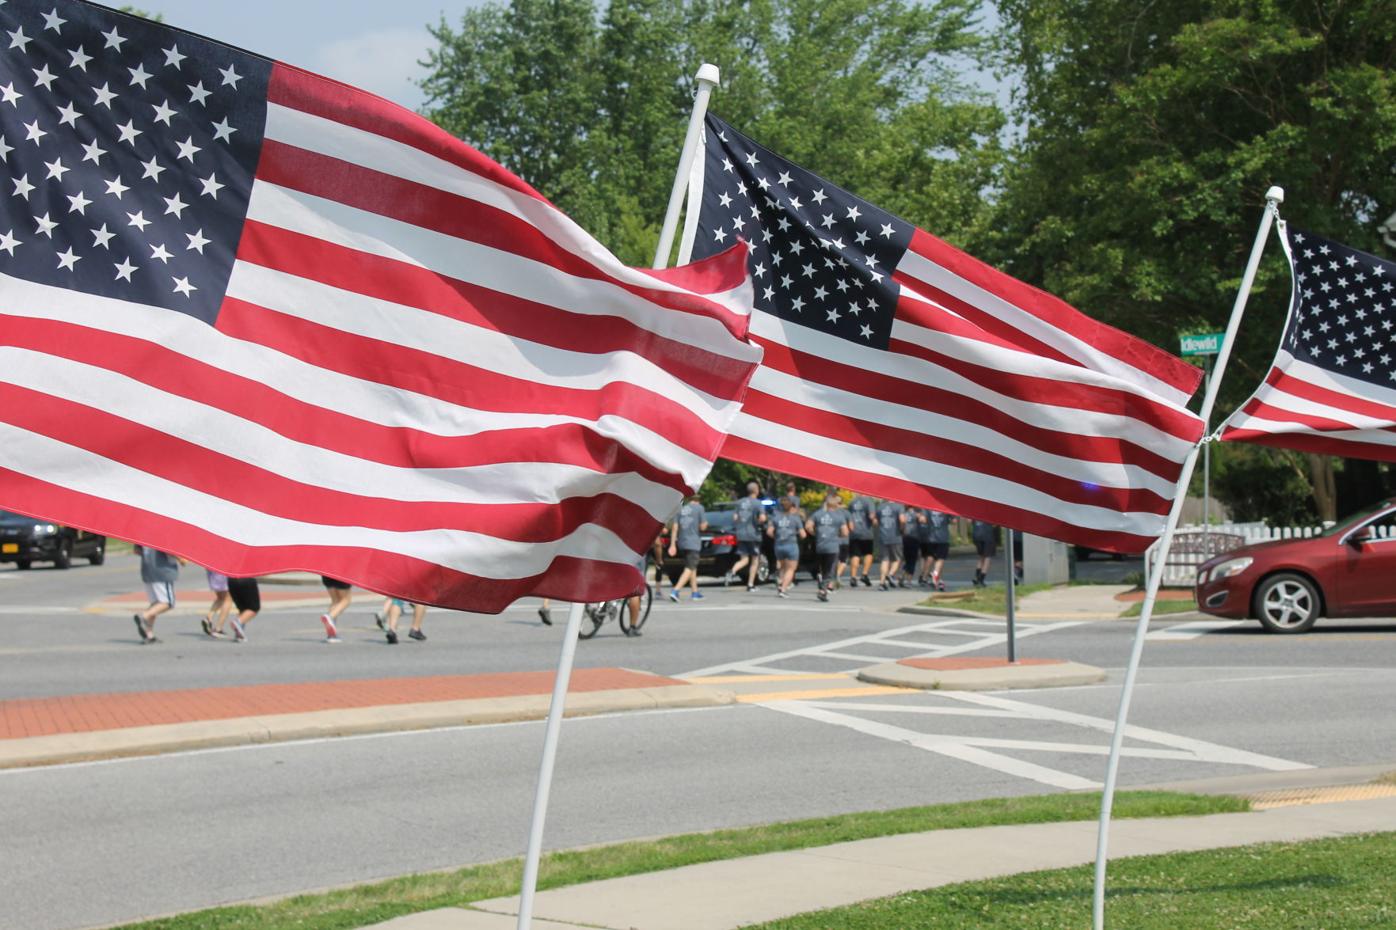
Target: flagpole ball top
1276	193
708	74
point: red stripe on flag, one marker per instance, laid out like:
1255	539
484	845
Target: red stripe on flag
1338	400
376	570
919	495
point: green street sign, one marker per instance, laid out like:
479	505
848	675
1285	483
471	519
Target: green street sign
1202	343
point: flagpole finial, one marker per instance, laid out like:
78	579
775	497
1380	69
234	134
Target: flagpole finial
708	74
1275	194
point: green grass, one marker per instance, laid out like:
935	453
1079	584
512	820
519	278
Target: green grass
1334	884
1163	607
990	600
380	901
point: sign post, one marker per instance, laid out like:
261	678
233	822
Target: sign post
1206	345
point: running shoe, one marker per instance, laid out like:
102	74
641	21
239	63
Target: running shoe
218	634
392	638
750	588
867	582
543	614
239	634
382	625
333	639
331	631
140	627
882	586
822	595
207	625
674	596
781	594
697	596
418	635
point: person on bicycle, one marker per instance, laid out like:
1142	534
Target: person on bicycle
829	526
786	529
746	526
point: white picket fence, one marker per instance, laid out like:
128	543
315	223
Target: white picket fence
1195	544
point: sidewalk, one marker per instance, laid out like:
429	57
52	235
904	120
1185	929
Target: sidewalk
72	728
739	892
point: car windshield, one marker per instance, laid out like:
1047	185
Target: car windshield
1356	518
14	519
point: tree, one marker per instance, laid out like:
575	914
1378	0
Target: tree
1150	132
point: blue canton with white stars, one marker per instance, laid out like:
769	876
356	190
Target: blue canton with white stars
129	150
1345	309
820	257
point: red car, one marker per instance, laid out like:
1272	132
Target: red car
1349	570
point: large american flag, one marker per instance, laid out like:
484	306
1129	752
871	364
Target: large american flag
900	367
1332	386
268	321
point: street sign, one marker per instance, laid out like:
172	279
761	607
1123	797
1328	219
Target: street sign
1202	343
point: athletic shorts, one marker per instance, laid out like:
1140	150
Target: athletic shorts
333	584
987	548
401	604
934	550
246	594
828	561
892	552
860	547
748	547
843	552
690	558
216	582
911	546
787	552
160	592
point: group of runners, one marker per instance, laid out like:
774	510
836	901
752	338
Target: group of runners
237	600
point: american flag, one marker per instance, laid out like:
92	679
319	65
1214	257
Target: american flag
1332	386
267	321
900	367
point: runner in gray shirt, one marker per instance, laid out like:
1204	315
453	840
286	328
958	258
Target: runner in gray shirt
159	570
936	547
685	536
860	538
890	521
746	526
829	524
786	529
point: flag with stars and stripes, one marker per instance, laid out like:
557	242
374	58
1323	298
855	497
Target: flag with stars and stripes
268	321
900	367
1332	386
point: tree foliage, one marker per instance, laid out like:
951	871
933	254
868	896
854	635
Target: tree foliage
1150	133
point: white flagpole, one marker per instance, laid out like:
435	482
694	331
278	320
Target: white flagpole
545	768
1273	198
708	78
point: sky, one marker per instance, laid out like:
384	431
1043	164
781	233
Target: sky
368	43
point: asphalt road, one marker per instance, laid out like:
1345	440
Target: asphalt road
95	844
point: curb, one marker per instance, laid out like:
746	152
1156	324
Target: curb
947	612
64	748
999	678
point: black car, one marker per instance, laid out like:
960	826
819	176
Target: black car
25	540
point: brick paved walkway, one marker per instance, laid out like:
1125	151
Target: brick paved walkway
86	713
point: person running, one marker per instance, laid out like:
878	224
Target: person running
911	546
746	526
159	571
247	598
861	511
935	548
217	611
395	608
685	535
829	525
890	520
986	541
786	529
341	593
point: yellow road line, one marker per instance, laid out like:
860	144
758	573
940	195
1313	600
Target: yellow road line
735	679
868	691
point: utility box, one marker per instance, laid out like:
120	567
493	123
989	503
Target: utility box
1045	560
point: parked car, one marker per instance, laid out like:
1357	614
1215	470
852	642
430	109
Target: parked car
25	540
1348	570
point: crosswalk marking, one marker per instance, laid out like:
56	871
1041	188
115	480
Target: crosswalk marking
1197	628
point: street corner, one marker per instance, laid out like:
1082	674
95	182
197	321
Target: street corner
981	673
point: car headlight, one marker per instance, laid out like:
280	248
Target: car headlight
45	529
1231	567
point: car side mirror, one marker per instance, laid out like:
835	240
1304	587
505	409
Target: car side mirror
1363	535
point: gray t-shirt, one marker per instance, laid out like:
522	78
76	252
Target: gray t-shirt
745	517
157	566
937	527
983	531
889	528
691	517
861	510
912	529
827	524
787	527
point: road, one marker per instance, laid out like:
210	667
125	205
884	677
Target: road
144	837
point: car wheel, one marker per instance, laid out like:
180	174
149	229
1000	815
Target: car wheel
1287	603
99	555
64	557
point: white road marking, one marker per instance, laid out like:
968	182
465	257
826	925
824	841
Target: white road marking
1193	630
973	640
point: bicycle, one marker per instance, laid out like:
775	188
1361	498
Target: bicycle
598	614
